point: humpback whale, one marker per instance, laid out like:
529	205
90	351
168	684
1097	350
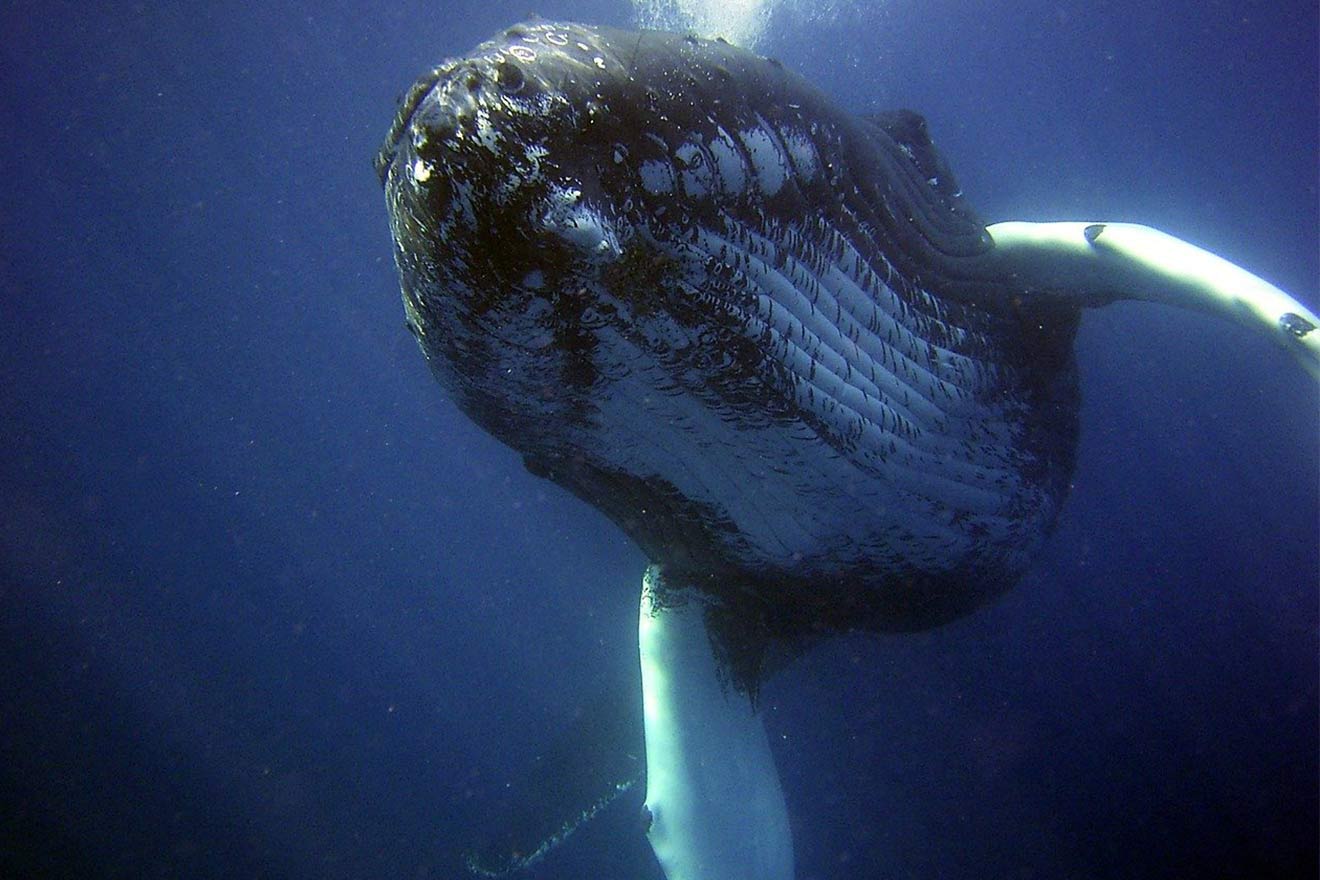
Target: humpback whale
773	342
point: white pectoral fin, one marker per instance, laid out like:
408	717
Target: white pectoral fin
716	808
1106	261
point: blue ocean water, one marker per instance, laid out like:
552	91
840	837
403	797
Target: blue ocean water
273	608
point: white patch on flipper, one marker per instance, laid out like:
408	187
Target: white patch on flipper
1130	261
716	806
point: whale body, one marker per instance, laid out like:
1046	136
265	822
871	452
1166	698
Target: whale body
772	342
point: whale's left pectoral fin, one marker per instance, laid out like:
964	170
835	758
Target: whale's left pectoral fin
1097	263
715	805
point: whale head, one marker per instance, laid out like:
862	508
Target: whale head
550	163
747	326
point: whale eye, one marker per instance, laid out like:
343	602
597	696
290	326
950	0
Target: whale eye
510	77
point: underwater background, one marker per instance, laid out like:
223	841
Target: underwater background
270	606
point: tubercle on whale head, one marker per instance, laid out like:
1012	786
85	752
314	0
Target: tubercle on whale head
538	102
492	172
514	69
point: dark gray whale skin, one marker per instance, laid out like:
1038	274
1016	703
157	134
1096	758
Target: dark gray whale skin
766	337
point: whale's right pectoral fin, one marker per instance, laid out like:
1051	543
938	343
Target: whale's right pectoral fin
715	805
1097	263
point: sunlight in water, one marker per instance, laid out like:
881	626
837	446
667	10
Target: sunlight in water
742	22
